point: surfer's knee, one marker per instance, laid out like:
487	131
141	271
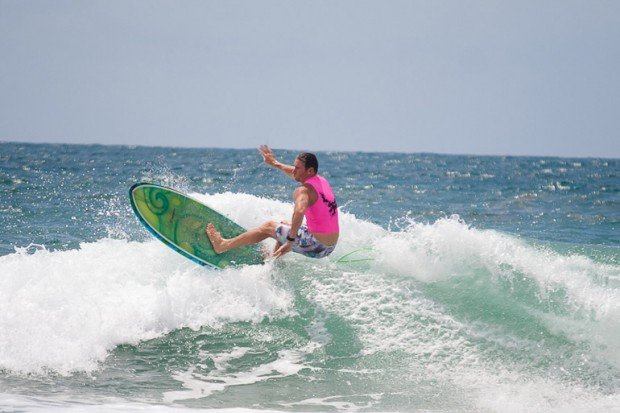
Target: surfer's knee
269	228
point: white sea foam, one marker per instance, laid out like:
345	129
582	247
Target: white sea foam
450	248
341	403
18	403
509	392
197	385
64	310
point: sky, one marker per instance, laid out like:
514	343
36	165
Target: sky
460	77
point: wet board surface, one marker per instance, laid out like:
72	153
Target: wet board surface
180	221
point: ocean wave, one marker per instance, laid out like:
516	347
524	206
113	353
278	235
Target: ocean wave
478	311
63	311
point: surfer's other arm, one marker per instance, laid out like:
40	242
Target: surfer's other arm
270	159
302	199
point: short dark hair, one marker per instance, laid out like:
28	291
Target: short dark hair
309	160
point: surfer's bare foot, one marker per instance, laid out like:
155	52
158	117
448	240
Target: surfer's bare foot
218	243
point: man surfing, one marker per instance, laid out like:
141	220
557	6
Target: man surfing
314	199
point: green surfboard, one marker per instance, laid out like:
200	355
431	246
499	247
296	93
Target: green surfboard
180	221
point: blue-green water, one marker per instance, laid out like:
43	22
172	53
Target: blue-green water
493	286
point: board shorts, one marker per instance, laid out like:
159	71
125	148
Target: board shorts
305	243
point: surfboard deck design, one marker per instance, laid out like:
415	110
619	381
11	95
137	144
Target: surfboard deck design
180	221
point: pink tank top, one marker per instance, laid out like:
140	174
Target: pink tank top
322	217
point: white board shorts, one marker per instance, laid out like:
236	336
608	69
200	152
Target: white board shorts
305	243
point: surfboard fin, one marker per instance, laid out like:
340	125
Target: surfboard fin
353	256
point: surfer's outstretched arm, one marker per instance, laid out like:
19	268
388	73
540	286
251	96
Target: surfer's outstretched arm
270	159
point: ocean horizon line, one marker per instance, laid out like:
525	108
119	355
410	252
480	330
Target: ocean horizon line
327	151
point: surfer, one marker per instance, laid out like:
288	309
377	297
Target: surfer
313	199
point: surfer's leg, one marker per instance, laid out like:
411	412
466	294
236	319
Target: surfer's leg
253	236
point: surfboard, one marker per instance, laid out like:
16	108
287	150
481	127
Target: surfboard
179	221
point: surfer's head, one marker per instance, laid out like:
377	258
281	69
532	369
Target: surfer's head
306	166
309	160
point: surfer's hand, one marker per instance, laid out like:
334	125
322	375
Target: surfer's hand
286	247
268	156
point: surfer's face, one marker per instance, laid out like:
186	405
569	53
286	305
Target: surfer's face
300	173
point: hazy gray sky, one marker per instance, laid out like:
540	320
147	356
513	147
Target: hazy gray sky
477	77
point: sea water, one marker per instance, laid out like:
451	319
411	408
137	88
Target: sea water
459	284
